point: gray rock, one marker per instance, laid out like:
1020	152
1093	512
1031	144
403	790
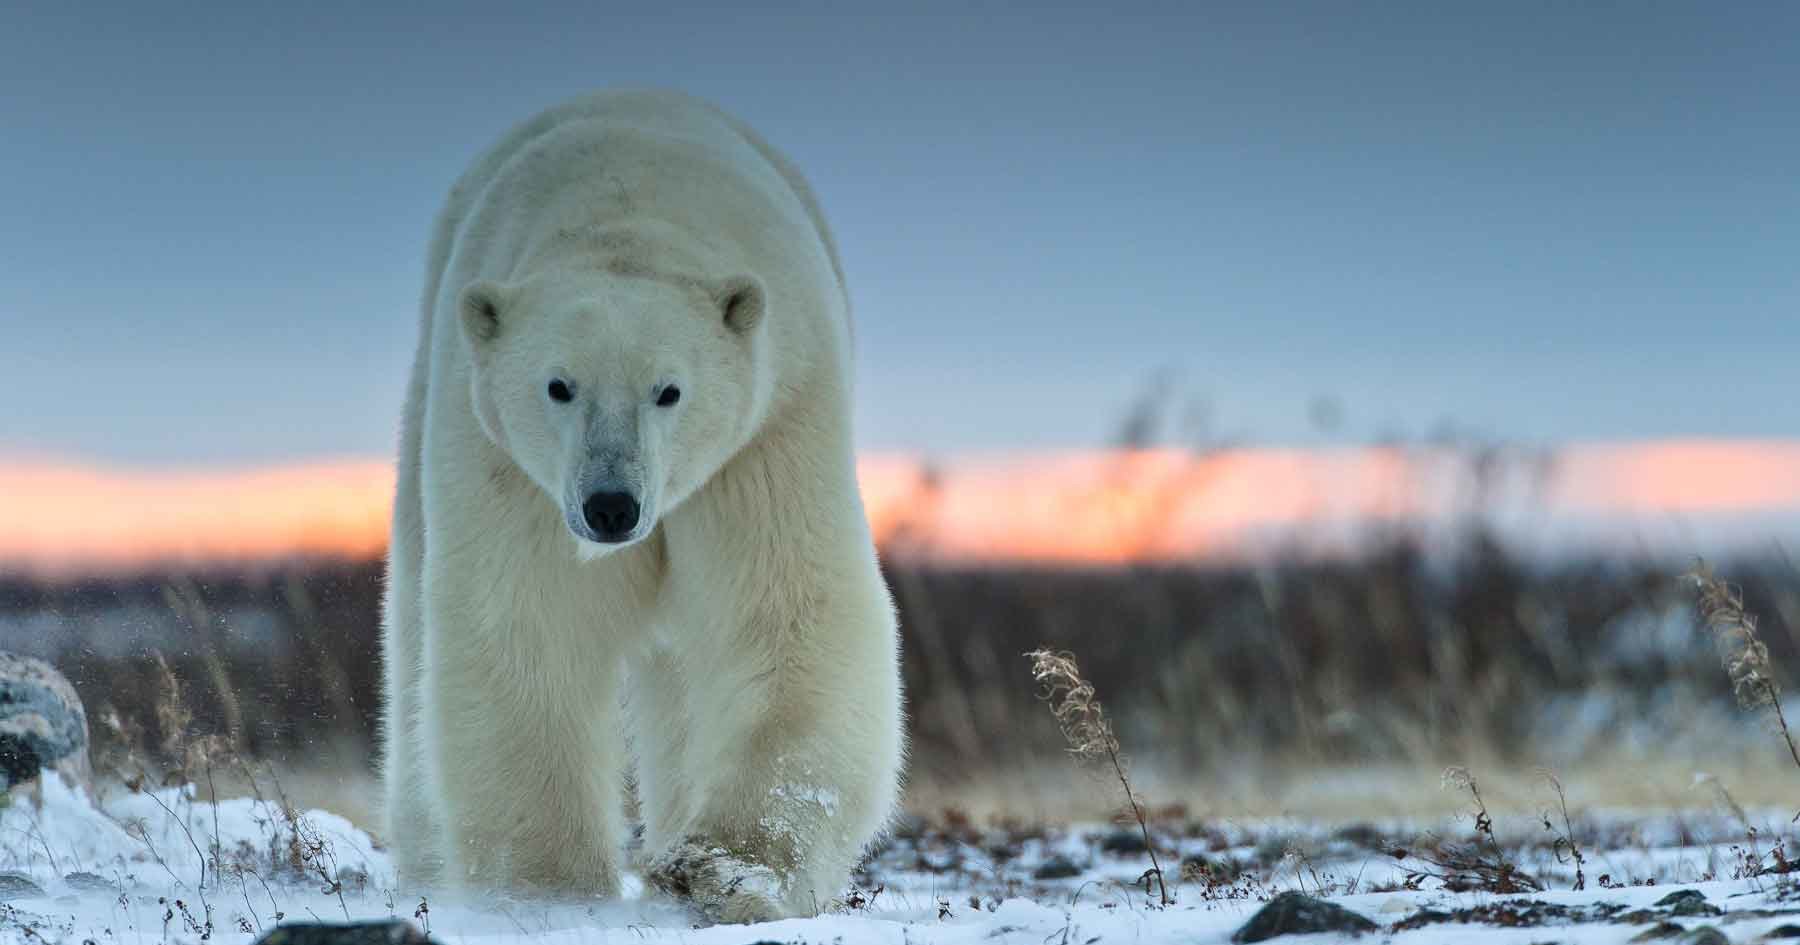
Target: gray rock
90	882
42	724
1124	842
1056	867
1293	913
1703	935
1365	836
1688	902
349	933
18	886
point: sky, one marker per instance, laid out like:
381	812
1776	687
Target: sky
1538	222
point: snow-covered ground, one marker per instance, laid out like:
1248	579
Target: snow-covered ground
159	866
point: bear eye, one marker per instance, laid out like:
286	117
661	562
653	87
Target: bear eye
669	396
559	391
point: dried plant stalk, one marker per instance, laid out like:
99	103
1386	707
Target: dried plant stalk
1466	867
1741	650
1090	736
1565	840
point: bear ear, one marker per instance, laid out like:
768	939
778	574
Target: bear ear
742	302
480	307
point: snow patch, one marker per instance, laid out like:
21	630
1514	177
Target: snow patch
151	853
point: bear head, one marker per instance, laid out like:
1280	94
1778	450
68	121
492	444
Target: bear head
618	390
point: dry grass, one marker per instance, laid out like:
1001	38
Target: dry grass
294	850
1335	688
1742	650
1082	718
1396	659
1565	844
1481	864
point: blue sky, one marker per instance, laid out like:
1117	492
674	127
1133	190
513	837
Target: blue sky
1542	222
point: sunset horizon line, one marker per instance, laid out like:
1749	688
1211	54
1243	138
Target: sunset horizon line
67	515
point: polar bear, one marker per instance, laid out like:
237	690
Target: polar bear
627	525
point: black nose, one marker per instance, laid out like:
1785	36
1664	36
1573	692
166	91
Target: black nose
612	515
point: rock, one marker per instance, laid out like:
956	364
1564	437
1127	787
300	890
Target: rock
1703	935
42	724
18	886
1658	932
1293	913
1783	931
1365	836
352	933
1124	842
90	882
1688	902
1421	918
1056	867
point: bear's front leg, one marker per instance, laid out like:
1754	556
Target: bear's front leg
796	770
525	752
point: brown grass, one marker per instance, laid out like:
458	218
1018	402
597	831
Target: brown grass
1399	662
1082	718
1742	650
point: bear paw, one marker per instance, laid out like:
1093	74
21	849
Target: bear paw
722	887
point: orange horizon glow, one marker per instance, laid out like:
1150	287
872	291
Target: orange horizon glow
60	516
64	517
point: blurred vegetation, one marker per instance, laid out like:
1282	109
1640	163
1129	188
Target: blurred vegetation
1392	656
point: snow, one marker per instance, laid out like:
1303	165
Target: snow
139	867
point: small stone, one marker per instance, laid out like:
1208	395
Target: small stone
89	882
1419	919
1124	842
1366	836
1293	913
351	933
1056	867
1688	902
18	886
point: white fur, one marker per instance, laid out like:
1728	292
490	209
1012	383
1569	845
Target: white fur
744	627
